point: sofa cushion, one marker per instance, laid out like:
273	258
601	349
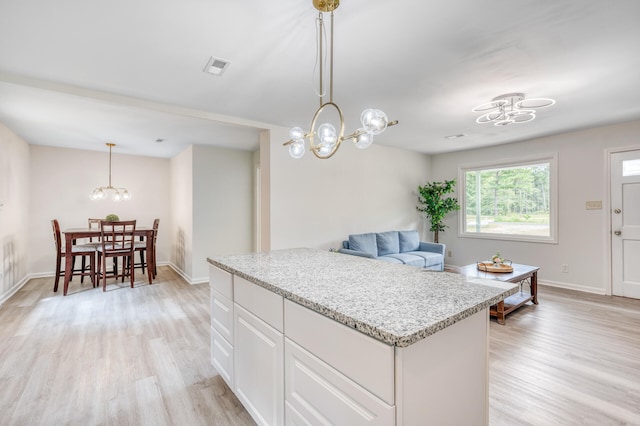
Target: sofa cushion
409	241
407	259
364	242
388	243
391	259
430	258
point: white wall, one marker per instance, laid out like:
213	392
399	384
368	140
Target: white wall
223	207
61	181
318	203
14	205
181	227
582	234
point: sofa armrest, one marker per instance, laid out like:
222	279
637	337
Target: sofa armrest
357	253
433	247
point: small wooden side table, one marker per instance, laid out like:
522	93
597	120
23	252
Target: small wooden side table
521	274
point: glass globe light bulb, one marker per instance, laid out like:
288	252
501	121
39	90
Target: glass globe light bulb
327	133
117	196
374	120
296	149
126	195
296	133
364	139
324	149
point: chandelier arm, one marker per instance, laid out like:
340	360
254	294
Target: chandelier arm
331	63
110	146
361	131
321	32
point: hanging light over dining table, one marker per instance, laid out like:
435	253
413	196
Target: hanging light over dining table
102	192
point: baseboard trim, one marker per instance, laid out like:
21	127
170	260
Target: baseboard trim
186	277
568	286
13	290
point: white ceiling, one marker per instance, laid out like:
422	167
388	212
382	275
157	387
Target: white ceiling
78	73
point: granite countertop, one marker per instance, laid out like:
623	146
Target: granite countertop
396	304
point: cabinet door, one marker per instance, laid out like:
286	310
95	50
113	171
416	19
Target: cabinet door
316	393
259	371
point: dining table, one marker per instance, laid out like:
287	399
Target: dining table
72	234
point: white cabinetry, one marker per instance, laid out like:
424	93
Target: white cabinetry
221	287
290	365
259	352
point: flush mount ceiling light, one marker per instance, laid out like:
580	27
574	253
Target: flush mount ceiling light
325	140
511	108
118	194
216	66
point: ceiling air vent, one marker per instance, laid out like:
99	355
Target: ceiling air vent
216	66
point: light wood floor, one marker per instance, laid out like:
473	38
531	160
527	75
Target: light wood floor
141	356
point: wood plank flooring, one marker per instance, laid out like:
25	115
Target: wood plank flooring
141	357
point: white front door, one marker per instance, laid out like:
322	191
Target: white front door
625	223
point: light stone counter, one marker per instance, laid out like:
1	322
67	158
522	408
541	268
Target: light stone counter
396	304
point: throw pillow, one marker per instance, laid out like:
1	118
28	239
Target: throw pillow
409	241
388	243
364	242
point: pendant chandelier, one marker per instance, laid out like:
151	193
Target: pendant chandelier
118	194
511	108
325	140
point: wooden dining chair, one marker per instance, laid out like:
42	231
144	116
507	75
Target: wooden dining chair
85	251
117	240
95	242
141	248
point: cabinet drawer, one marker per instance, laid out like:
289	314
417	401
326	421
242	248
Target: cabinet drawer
222	357
263	303
367	361
316	393
222	315
221	281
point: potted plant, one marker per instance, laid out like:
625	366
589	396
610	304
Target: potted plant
435	205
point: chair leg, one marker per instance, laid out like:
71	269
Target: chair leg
92	272
83	265
58	262
104	273
142	260
73	268
132	268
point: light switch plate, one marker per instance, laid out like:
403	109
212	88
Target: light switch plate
594	205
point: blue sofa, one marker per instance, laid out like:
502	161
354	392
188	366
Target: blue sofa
402	247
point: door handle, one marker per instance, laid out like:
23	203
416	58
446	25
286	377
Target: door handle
618	232
617	211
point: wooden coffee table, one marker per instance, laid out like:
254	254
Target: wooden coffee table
522	274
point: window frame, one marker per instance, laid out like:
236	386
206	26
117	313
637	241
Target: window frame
551	159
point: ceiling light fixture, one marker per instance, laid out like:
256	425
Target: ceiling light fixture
325	140
511	108
100	193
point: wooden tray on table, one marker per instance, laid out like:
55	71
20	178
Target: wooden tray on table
494	267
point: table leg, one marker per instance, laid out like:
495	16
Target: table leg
500	312
151	262
534	287
68	258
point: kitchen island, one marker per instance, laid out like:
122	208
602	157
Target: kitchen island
309	336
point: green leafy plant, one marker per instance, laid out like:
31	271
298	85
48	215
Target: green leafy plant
112	218
435	205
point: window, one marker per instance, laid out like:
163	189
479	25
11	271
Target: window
630	167
511	200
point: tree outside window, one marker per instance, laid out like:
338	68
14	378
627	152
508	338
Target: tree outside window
510	201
